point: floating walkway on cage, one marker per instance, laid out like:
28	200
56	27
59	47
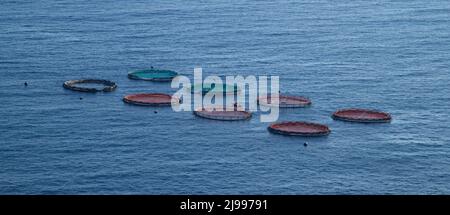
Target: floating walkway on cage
230	115
305	129
362	115
153	75
285	101
149	99
213	88
103	85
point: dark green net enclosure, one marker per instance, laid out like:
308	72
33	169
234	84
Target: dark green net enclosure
153	75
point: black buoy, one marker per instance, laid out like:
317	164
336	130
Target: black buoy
26	84
151	67
305	144
81	98
155	111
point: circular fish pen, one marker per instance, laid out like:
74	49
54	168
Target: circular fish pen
149	99
213	88
77	85
305	129
153	75
286	101
224	115
362	115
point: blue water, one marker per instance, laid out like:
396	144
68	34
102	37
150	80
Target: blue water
388	55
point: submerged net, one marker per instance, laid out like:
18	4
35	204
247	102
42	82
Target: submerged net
90	85
285	101
213	88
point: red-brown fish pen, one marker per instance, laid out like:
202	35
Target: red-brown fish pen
224	115
149	99
305	129
362	115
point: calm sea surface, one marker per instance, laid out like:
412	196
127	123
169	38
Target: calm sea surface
388	55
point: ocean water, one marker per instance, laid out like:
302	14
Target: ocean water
387	55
